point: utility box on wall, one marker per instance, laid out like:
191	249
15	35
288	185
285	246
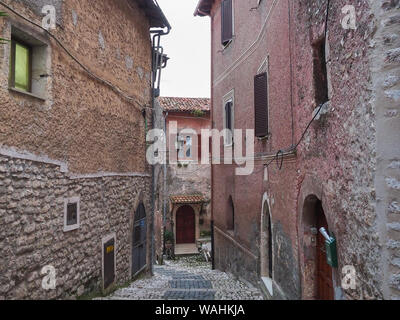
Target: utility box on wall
331	252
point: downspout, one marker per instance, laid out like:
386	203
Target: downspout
212	166
156	73
165	182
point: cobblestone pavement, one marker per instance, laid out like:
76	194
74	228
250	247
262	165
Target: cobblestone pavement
187	278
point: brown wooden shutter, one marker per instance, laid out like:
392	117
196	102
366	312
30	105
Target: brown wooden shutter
261	104
226	21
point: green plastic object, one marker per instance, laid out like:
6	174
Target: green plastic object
331	252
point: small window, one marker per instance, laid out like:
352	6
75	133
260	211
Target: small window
230	215
229	122
320	73
188	147
20	66
185	147
261	105
226	22
71	214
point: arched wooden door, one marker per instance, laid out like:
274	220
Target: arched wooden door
139	240
324	270
185	225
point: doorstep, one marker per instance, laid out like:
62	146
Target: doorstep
186	249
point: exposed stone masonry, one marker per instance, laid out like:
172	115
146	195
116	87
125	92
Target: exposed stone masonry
31	228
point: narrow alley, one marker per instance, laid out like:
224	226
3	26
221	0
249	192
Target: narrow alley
187	278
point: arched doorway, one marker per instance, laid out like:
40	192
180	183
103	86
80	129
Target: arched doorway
266	249
139	240
185	225
320	284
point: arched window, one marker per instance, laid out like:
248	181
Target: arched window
230	221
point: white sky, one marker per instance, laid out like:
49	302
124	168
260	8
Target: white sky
188	46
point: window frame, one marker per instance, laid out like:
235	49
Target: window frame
229	97
68	201
14	42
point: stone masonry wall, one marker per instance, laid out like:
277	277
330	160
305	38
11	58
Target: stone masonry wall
338	152
83	139
31	228
385	84
82	121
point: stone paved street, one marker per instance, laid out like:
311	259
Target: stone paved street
188	278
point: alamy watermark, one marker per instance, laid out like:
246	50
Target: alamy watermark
185	145
49	280
49	20
349	19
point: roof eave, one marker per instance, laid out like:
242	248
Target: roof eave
203	8
154	13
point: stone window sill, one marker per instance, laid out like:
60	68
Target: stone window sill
71	228
27	93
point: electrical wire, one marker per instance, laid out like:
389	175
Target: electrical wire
116	89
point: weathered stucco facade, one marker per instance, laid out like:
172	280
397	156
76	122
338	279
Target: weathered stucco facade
182	176
82	135
347	161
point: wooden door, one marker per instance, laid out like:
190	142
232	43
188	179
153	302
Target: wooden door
324	270
185	225
139	240
109	264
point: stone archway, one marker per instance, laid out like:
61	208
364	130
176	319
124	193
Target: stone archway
266	245
318	279
266	239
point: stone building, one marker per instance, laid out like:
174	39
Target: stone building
184	185
276	65
75	187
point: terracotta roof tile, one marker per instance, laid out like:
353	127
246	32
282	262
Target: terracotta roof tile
190	199
184	104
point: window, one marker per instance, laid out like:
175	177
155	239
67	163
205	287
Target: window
71	214
261	105
229	117
188	146
29	67
320	73
226	22
229	122
20	66
230	215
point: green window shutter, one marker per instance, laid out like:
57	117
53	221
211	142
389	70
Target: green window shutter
22	67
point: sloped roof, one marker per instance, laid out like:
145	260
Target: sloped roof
187	199
184	104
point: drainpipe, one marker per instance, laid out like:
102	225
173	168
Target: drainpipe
165	182
157	65
212	166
